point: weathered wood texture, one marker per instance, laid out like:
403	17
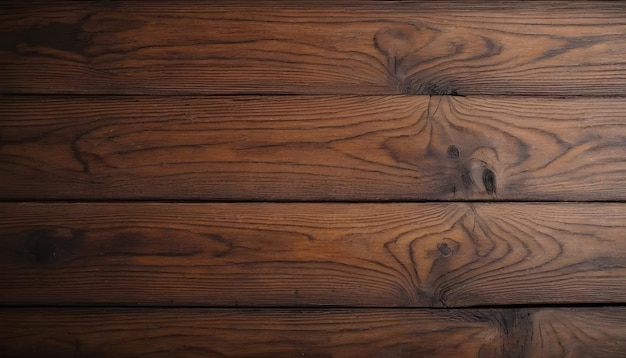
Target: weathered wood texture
408	255
312	148
583	332
358	47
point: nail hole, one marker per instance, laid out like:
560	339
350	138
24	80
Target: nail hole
489	179
453	152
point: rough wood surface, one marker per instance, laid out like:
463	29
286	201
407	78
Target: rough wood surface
370	255
356	47
583	332
313	148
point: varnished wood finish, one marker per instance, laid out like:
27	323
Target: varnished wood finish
311	47
312	179
313	148
247	333
578	333
404	255
583	332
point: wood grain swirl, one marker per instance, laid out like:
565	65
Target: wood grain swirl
312	148
357	47
38	332
368	255
313	179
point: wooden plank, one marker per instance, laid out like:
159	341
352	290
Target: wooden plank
582	332
239	333
312	148
357	47
370	255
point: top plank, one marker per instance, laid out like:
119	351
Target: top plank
358	47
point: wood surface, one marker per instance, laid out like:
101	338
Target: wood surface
312	148
548	332
369	255
313	47
312	179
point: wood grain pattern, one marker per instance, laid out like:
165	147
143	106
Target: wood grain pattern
583	332
358	47
370	255
252	111
246	333
312	148
578	333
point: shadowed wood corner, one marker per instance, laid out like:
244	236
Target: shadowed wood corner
312	179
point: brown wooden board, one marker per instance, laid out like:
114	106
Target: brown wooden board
312	148
369	255
548	332
311	47
312	179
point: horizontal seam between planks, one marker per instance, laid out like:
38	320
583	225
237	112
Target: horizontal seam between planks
320	307
255	201
289	94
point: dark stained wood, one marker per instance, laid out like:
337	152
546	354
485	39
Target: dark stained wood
356	47
312	148
581	332
247	333
578	333
408	255
312	179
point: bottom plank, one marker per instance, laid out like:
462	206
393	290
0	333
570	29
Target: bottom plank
548	332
